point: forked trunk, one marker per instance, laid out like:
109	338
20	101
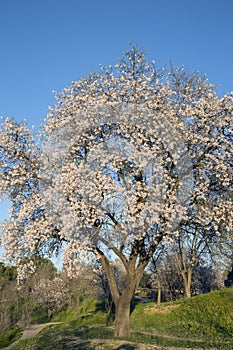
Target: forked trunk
122	317
123	299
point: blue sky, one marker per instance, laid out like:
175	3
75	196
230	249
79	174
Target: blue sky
45	44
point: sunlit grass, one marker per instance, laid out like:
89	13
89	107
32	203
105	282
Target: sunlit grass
206	317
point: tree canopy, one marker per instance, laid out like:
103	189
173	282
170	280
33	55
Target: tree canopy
129	158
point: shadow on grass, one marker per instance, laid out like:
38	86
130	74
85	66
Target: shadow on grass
125	347
89	346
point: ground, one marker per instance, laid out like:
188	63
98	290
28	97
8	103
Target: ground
33	330
97	344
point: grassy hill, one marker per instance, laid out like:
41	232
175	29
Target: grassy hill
202	322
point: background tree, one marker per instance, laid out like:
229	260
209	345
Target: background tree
51	295
128	155
8	296
37	299
30	306
193	245
207	277
166	281
229	280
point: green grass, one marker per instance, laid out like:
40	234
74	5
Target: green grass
86	311
206	317
76	338
10	336
204	321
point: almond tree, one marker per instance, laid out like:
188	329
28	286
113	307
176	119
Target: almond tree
51	295
128	155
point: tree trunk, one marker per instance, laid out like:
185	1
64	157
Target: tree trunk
159	293
122	317
122	299
108	308
187	278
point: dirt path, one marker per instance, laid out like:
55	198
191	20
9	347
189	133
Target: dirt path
33	330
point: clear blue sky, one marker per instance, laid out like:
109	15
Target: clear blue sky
45	44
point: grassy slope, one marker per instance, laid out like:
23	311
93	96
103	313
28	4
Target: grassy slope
206	317
204	321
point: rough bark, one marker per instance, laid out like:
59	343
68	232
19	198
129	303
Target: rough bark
123	302
122	316
134	270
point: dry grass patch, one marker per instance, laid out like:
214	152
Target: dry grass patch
161	309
